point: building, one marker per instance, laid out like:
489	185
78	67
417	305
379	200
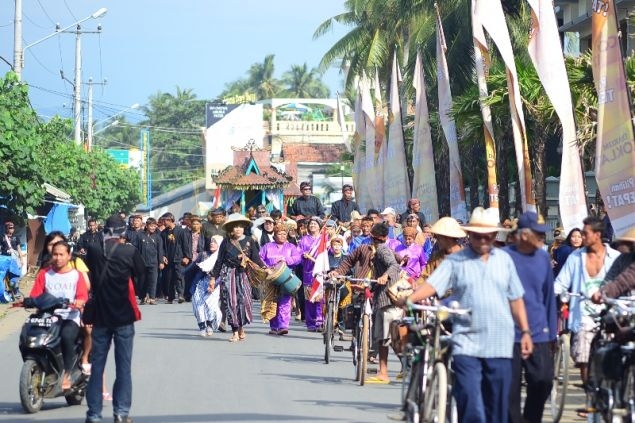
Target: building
574	19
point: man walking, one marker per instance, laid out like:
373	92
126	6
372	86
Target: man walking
484	280
92	236
533	266
178	253
115	315
151	249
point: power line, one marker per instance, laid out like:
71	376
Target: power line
45	12
70	11
33	22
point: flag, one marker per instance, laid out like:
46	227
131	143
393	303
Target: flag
614	159
457	192
359	174
482	63
380	144
490	15
424	184
216	202
342	122
321	265
371	176
546	54
395	170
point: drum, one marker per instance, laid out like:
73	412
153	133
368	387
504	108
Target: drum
284	278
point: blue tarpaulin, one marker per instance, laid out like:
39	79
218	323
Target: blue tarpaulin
57	219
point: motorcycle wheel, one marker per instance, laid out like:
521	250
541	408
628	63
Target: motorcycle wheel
74	398
30	381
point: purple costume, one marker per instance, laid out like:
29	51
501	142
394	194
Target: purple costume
417	259
271	253
312	311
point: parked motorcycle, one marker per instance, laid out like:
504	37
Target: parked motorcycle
41	349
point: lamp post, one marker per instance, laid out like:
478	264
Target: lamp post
92	126
18	49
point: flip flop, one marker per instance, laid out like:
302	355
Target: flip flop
377	381
86	367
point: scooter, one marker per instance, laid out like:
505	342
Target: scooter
41	349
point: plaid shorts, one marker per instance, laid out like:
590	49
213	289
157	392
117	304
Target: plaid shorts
581	345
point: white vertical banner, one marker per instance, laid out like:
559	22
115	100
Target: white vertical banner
342	123
375	196
396	192
457	191
424	184
380	142
359	159
490	14
546	54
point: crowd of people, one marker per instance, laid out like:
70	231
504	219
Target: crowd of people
505	274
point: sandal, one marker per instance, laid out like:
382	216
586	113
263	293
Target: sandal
106	396
377	380
242	335
234	338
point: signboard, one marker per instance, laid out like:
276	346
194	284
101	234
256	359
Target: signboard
216	111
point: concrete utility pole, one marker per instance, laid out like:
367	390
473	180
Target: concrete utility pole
77	92
17	38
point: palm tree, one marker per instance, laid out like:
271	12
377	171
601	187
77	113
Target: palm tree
301	82
261	79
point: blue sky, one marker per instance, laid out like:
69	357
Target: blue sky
148	46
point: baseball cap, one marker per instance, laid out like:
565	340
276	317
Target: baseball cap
389	210
530	220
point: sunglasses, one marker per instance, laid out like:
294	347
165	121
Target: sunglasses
481	237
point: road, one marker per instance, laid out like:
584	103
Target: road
181	377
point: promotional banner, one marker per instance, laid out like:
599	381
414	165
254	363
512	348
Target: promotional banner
359	159
396	183
371	176
424	184
546	54
380	141
457	192
482	63
614	159
490	15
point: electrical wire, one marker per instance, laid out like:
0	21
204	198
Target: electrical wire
45	12
42	64
70	11
33	22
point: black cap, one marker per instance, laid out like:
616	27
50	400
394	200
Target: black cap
115	225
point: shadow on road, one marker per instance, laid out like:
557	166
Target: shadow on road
197	418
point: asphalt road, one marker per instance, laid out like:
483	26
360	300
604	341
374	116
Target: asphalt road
181	377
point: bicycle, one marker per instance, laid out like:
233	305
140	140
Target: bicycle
332	299
431	380
561	366
363	325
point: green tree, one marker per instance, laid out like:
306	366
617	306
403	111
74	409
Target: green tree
175	122
301	82
21	189
262	80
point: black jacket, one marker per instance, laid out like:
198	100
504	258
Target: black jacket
151	248
175	244
110	275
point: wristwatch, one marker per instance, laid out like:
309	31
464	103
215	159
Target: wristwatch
526	331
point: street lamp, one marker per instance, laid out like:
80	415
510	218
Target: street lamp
18	50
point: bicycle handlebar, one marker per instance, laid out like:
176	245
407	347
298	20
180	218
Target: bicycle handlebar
442	309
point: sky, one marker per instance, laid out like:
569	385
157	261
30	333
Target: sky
147	46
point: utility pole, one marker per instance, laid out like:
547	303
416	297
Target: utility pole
17	39
77	91
89	126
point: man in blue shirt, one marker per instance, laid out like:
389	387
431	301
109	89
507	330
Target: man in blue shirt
533	266
484	280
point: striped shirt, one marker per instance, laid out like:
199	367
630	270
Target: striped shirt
485	287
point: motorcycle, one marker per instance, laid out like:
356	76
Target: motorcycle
41	349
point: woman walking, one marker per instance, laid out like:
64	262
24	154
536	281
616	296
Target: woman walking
230	270
206	310
271	254
308	247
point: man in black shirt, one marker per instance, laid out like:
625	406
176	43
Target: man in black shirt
115	314
92	236
414	207
177	254
341	209
307	205
10	243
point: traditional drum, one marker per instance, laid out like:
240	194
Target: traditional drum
284	278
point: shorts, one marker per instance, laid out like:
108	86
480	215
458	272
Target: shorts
381	324
581	345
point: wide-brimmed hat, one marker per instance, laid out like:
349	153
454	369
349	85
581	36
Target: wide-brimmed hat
264	220
447	226
355	215
628	236
484	221
235	219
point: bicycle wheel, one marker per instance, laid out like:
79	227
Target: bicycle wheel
436	396
561	377
328	333
356	355
414	392
628	394
364	348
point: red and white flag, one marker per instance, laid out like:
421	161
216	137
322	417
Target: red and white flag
321	266
216	201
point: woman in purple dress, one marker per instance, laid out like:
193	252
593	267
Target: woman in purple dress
308	246
272	253
414	256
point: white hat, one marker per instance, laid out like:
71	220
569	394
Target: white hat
484	221
628	236
389	210
449	227
235	219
